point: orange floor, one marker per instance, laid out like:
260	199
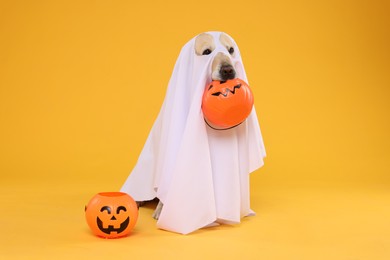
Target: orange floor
46	221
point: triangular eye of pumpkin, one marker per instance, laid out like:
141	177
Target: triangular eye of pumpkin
226	104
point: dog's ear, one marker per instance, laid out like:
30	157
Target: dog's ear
204	44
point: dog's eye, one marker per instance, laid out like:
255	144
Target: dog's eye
206	52
231	50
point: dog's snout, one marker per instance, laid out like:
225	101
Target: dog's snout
222	67
227	72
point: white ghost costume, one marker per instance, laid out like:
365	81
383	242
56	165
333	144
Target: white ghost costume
201	175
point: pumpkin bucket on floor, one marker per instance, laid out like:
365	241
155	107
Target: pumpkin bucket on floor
111	214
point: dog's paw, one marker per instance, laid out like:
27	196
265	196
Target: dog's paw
157	212
140	203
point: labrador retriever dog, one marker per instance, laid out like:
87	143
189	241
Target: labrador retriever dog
222	69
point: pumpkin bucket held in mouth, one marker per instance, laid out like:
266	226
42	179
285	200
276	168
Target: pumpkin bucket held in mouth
226	104
111	214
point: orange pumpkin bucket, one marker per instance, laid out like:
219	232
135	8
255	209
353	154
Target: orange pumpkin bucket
226	104
111	214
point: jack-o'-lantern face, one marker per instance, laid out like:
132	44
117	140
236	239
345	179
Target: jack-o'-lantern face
113	220
226	104
111	214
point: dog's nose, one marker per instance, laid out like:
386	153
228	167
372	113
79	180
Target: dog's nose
227	72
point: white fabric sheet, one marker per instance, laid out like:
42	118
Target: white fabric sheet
200	174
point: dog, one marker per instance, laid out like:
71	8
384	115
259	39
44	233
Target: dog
222	69
198	174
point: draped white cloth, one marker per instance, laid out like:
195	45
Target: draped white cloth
200	174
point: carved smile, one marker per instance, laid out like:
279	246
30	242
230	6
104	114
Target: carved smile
111	228
227	90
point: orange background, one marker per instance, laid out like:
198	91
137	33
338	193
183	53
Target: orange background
81	83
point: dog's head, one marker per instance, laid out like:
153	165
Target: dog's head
223	49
